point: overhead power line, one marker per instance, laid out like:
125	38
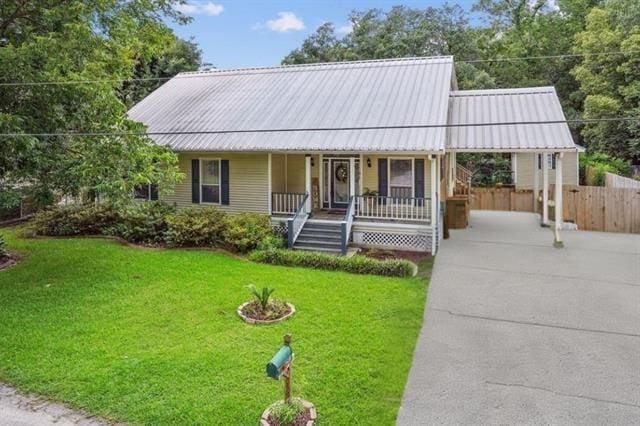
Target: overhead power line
204	74
322	129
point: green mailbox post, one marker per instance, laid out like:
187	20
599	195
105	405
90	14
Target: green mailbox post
280	365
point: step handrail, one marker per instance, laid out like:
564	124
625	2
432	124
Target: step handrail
347	223
297	221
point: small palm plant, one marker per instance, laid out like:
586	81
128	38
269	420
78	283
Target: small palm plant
263	296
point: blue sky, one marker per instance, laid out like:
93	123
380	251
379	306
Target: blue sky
243	33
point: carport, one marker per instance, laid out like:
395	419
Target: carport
512	121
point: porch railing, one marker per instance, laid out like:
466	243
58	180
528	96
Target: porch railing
393	208
295	223
285	202
347	223
463	181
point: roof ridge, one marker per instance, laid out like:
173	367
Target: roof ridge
313	65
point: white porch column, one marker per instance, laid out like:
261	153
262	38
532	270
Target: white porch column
352	177
269	183
434	203
536	183
545	189
307	179
360	179
558	200
321	180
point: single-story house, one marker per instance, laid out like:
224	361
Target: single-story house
343	153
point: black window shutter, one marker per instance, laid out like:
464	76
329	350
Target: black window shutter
382	177
153	192
195	181
224	181
418	178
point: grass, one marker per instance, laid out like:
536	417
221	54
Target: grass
151	335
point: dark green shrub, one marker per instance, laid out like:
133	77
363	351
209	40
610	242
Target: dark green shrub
356	264
243	232
143	222
75	220
196	227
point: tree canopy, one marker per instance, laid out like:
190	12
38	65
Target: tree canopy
104	41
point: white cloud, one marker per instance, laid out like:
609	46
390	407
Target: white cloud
345	29
287	21
209	8
212	9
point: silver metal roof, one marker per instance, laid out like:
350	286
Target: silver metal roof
537	104
347	106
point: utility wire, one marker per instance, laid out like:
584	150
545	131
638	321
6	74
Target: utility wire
322	129
213	73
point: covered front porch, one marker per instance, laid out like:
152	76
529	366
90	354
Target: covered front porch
378	199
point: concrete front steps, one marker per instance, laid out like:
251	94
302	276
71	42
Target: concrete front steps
320	235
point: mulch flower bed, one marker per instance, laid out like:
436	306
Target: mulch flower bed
413	256
277	310
7	262
302	419
305	418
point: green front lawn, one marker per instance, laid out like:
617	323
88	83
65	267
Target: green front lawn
151	335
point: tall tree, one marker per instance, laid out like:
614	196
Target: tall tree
68	40
610	84
399	32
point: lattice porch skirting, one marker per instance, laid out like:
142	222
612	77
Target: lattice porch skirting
410	239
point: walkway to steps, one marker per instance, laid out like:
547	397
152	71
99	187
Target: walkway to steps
320	235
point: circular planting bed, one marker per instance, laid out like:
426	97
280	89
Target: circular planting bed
306	416
253	313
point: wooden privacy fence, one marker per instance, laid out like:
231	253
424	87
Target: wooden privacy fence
505	198
598	208
592	208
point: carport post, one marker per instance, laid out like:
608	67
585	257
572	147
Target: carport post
545	189
434	204
536	182
558	200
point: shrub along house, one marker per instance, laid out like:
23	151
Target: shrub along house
338	153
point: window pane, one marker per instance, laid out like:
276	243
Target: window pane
401	192
401	173
141	191
210	172
210	193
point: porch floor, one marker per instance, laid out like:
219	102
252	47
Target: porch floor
327	214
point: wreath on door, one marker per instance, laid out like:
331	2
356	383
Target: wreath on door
341	174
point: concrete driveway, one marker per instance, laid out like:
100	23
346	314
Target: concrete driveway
519	332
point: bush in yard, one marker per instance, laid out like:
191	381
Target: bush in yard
593	168
272	242
196	227
243	232
356	264
85	219
143	222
